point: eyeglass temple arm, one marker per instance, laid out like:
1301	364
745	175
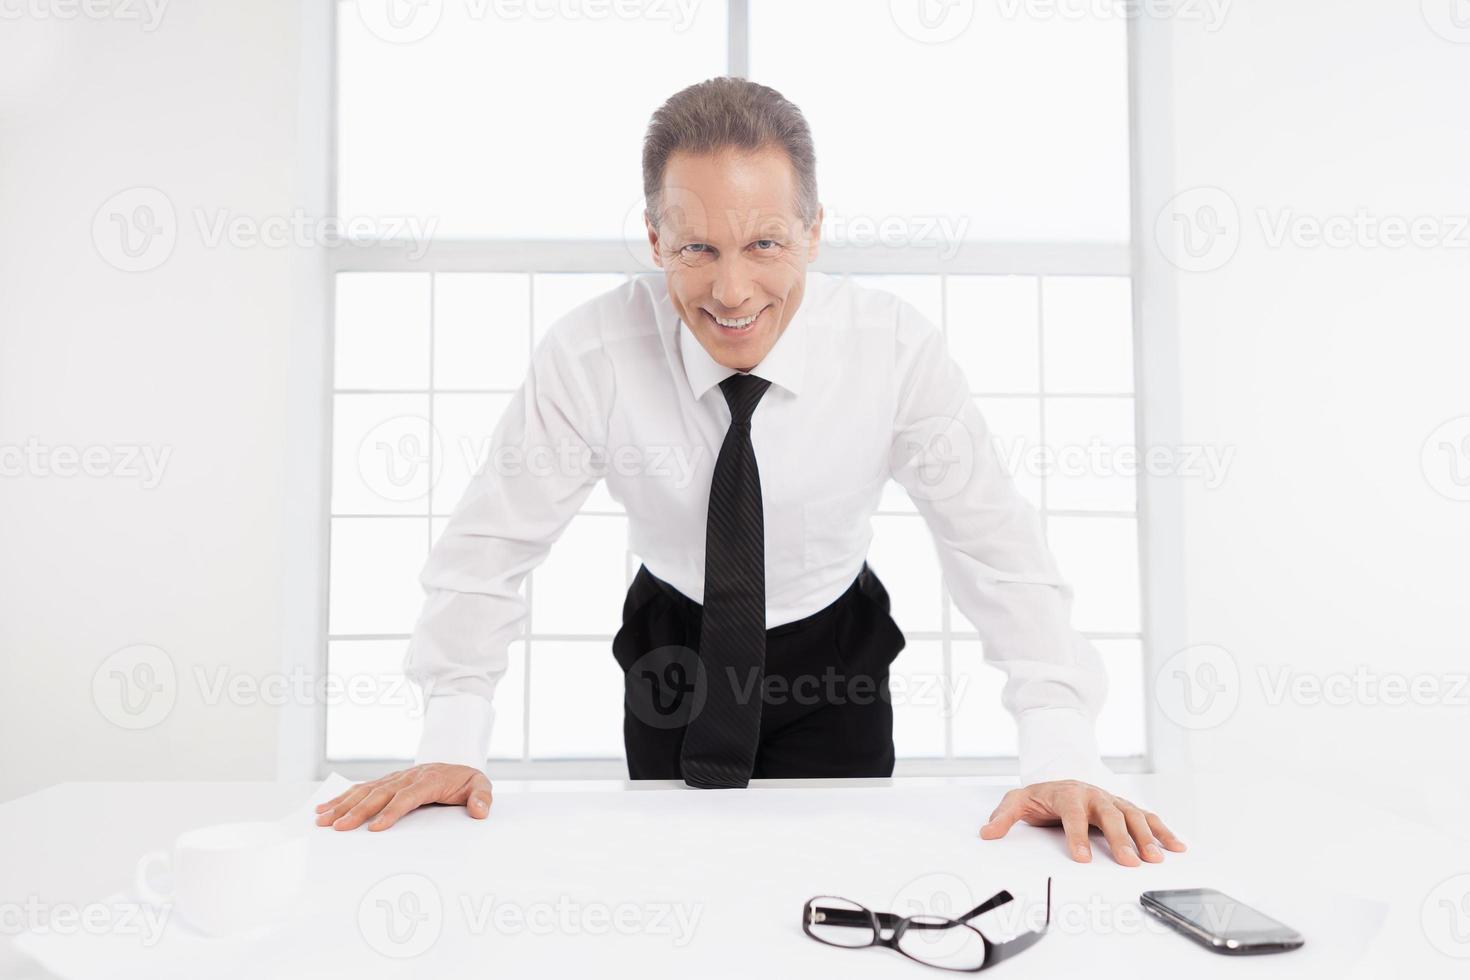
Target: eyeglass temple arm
855	917
993	902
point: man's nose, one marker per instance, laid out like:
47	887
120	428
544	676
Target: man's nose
732	286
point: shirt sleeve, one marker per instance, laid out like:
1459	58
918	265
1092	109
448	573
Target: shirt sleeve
539	468
995	560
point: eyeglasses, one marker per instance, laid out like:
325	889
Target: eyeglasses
933	940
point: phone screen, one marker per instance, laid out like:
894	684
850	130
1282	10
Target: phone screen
1216	913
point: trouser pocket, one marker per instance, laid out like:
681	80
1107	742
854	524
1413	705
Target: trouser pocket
868	633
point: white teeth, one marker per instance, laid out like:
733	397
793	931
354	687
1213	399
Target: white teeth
742	322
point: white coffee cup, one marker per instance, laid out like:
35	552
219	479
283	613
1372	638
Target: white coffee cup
227	878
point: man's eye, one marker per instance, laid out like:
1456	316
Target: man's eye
697	248
765	244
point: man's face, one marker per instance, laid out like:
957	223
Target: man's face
733	248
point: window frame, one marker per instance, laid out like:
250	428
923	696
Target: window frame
1154	395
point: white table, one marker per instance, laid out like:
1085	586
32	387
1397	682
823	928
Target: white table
657	880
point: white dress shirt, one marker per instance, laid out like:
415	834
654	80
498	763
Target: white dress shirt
862	391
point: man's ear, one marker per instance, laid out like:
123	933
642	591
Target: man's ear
814	237
658	258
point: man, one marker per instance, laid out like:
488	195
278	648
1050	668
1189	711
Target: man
755	639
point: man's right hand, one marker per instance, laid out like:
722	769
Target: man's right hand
398	793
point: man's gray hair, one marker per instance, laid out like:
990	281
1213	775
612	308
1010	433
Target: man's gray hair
729	113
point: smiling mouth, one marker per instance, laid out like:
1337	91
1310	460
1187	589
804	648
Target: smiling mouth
735	324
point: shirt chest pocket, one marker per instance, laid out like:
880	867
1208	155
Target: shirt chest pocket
837	528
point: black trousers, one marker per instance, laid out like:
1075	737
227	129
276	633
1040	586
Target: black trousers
825	705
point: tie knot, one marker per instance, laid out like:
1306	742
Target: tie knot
743	393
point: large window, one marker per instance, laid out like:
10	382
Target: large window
980	170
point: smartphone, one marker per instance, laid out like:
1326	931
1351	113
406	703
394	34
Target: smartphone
1218	922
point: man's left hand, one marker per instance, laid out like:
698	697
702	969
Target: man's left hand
1130	831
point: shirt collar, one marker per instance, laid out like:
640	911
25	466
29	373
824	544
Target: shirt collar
784	364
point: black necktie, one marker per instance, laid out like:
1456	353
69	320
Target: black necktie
720	742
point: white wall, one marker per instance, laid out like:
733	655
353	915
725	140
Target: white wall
190	358
1326	369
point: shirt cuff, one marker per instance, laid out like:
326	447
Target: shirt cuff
1059	743
456	731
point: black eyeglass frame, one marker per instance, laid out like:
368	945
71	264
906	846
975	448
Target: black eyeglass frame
877	922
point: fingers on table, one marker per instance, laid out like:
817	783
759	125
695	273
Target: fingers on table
1002	818
1075	824
478	804
1163	833
1111	822
1142	833
366	807
332	803
330	811
404	800
355	792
